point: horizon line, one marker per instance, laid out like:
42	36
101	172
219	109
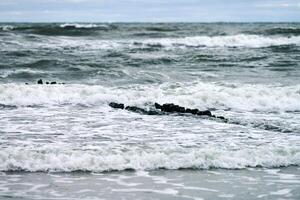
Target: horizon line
149	22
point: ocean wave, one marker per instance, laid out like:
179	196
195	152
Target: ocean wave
3	106
254	41
283	31
106	159
6	27
251	41
83	26
270	98
20	73
83	43
162	28
58	29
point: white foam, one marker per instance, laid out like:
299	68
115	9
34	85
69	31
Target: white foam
250	41
79	43
53	158
241	40
7	73
281	192
7	27
166	191
196	94
82	25
226	195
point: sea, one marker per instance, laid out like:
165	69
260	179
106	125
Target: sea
64	142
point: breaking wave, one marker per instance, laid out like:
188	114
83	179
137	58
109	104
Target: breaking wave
268	98
6	27
239	41
63	160
254	41
20	73
84	26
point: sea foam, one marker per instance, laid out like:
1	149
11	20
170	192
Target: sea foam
68	25
241	40
67	160
6	27
247	97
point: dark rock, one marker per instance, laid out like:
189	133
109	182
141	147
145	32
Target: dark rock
136	109
166	108
188	110
40	81
116	105
223	119
47	83
153	112
206	112
141	110
182	109
53	83
157	106
26	83
170	107
176	108
194	111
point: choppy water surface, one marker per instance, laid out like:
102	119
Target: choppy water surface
248	73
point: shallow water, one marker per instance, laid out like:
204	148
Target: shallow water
249	73
280	183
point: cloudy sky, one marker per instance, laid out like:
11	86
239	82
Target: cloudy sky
149	10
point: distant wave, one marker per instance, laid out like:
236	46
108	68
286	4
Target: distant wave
233	41
162	29
283	31
254	41
84	26
20	73
197	94
62	159
6	27
156	38
58	29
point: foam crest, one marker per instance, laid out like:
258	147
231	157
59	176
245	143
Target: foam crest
249	41
241	40
195	94
87	26
62	42
64	160
6	27
8	73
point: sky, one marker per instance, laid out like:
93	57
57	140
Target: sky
150	10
